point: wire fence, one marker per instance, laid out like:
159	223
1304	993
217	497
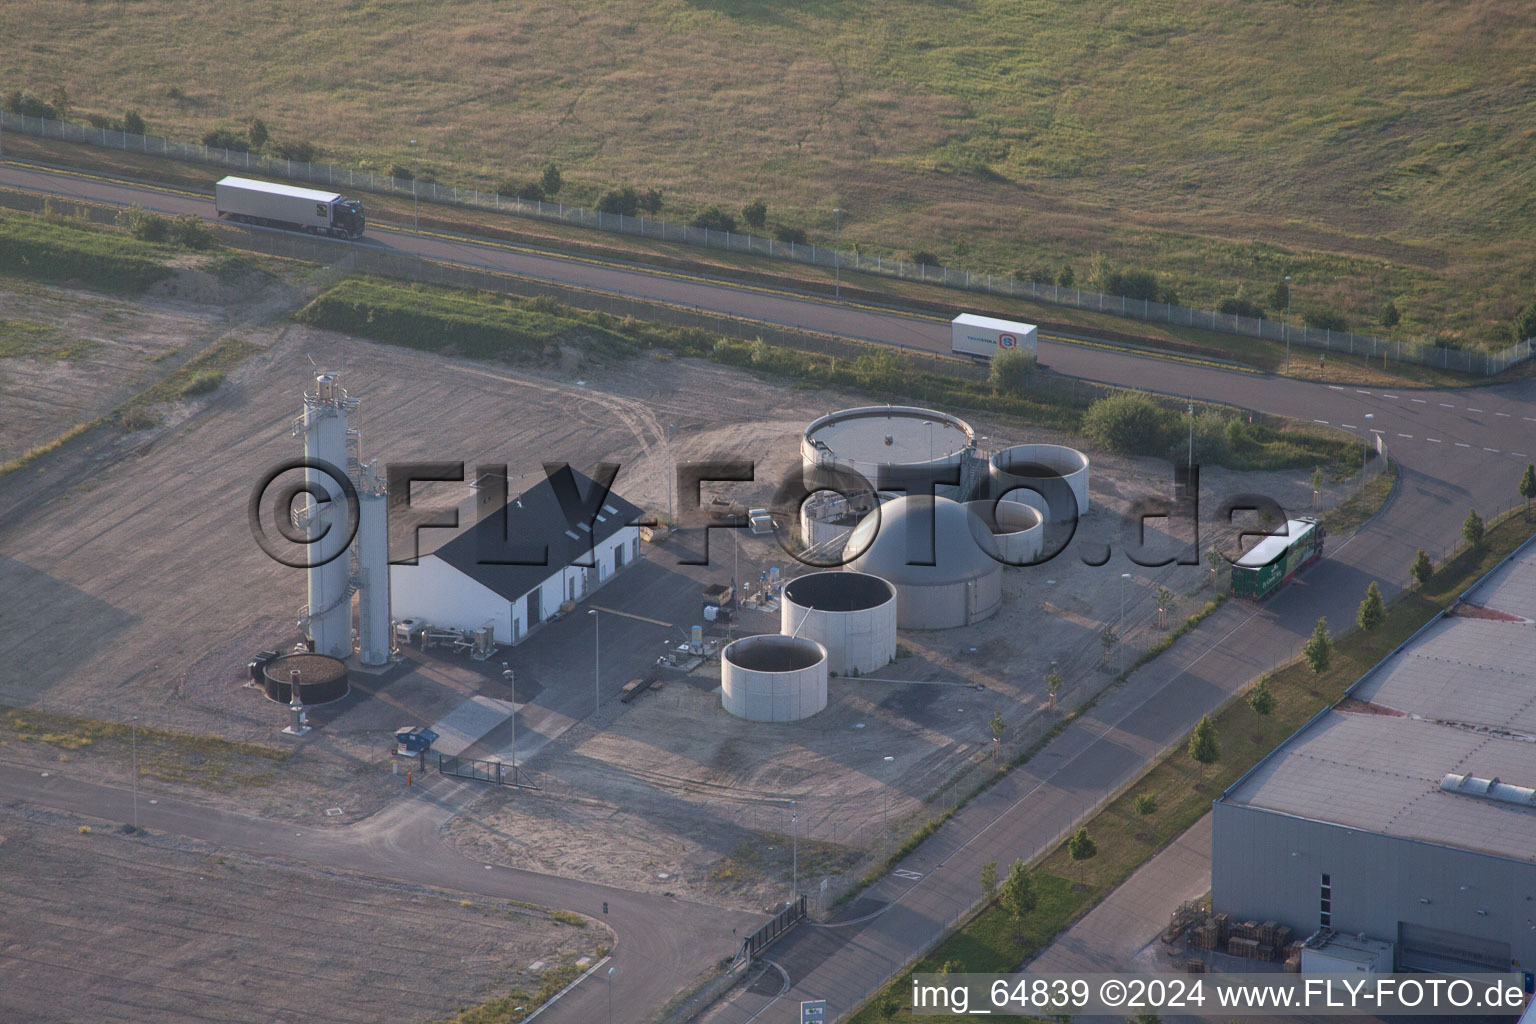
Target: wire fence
1322	339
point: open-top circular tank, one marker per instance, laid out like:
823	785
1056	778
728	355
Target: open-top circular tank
773	678
1059	473
322	678
851	614
1016	529
897	447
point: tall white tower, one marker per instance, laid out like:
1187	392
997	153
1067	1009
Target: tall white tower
373	639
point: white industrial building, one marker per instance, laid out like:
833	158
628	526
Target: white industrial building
469	582
1406	813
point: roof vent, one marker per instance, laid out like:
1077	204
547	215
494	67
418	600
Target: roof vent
1489	789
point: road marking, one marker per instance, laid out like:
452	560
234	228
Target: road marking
1419	400
1446	405
1388	396
1494	450
909	875
1334	387
1348	426
1408	436
1359	392
1520	455
1470	409
1504	414
1323	422
1531	418
1436	440
1459	444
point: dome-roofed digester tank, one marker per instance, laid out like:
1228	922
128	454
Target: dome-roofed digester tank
941	559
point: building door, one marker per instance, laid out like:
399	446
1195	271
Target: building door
535	613
1421	948
618	557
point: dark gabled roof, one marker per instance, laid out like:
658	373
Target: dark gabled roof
533	530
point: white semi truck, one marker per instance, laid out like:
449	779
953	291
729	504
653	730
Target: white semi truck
982	337
287	206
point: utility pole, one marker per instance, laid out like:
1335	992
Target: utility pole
1123	577
671	478
1191	435
1287	323
134	741
597	660
415	220
794	818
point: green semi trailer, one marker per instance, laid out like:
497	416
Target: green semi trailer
1275	559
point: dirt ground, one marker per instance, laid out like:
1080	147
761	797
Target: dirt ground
147	595
104	926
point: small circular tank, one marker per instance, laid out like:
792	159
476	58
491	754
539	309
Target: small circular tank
773	678
1017	529
322	678
851	614
1059	472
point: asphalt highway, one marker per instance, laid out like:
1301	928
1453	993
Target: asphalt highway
1456	449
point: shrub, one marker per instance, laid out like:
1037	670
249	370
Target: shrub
401	172
1146	804
192	232
257	133
624	201
298	152
1389	317
1472	529
1011	370
551	181
1239	306
133	124
103	121
1422	568
755	213
1134	284
57	251
1130	423
1066	277
20	101
714	219
1280	296
202	383
1324	319
924	256
226	138
530	191
651	202
145	225
1525	324
785	233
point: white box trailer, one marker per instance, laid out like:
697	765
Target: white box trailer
270	204
982	337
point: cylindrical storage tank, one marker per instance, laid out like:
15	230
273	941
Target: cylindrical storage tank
327	618
940	558
1058	472
1017	529
322	679
373	640
773	678
851	614
897	447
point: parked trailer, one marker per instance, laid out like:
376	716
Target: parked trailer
269	204
1275	559
982	337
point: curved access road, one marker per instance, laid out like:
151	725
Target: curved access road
1457	449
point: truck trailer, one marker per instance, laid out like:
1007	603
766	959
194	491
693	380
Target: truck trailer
1266	566
982	337
268	204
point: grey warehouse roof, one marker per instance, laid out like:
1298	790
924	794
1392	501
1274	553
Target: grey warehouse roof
533	525
1461	698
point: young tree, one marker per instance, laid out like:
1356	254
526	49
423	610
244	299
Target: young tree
1262	698
1523	327
1081	848
1214	560
755	213
1528	488
1165	601
651	201
1204	745
133	123
1372	611
257	133
1107	639
1279	296
1472	529
1146	804
989	880
1390	317
550	180
998	725
1018	895
1054	683
1319	648
1422	568
1066	277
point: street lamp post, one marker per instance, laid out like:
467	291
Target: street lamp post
1287	323
1123	577
610	995
1191	435
794	817
134	741
597	660
671	475
415	220
837	255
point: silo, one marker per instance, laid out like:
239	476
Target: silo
1058	472
1017	529
851	614
373	639
941	559
322	679
893	447
327	618
773	678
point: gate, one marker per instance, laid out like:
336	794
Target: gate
498	772
783	921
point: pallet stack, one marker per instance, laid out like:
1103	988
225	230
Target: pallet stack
1246	948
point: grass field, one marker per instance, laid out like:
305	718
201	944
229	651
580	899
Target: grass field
1370	150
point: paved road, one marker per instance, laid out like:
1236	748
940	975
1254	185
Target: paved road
1457	449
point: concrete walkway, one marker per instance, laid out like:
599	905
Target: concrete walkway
1124	931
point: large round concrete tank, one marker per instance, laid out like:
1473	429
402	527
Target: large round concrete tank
851	614
322	678
1017	529
1061	473
773	678
896	447
941	559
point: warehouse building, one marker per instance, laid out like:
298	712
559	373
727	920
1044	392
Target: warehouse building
468	583
1406	813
